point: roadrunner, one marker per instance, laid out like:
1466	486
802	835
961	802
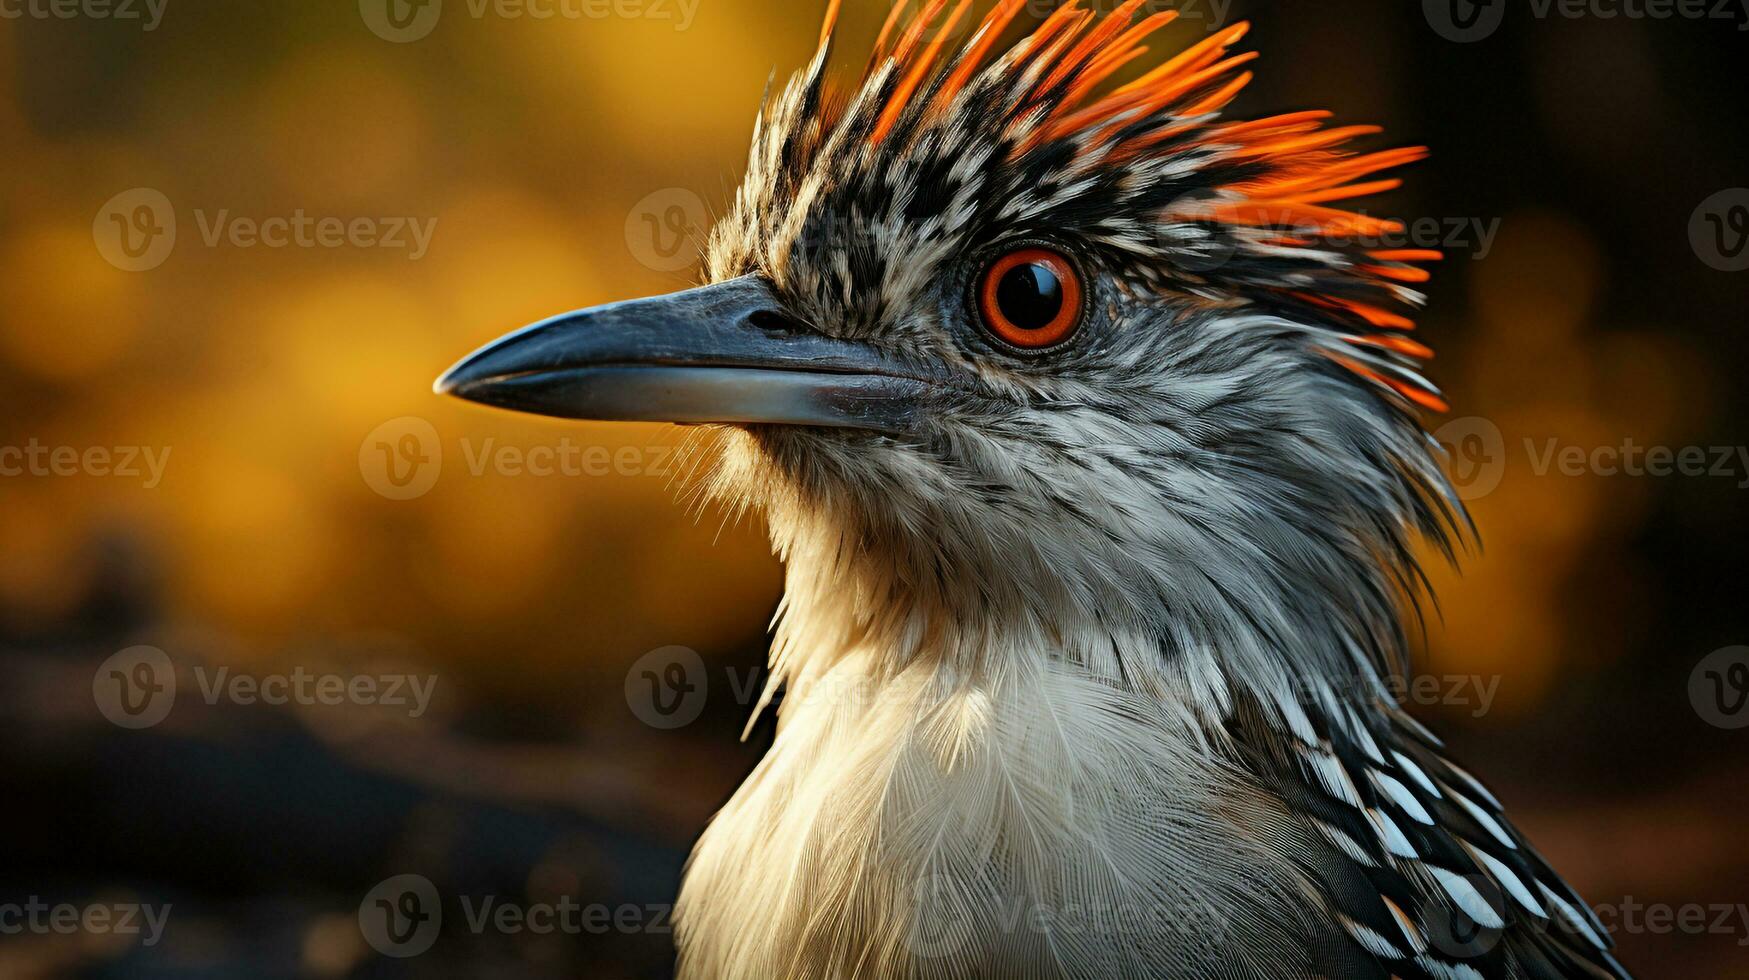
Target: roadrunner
1089	428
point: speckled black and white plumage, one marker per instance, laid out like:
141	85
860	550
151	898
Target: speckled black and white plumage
1109	635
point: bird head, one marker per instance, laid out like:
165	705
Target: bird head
994	339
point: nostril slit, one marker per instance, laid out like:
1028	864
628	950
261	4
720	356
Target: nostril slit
774	321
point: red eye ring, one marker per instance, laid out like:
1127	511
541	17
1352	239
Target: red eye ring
1035	311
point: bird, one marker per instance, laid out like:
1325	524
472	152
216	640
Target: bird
1090	425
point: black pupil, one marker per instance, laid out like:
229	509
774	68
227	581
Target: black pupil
1030	296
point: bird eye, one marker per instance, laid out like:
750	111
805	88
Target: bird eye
1031	299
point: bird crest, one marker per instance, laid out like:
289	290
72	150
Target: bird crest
941	135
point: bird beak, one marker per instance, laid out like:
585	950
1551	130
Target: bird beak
716	354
